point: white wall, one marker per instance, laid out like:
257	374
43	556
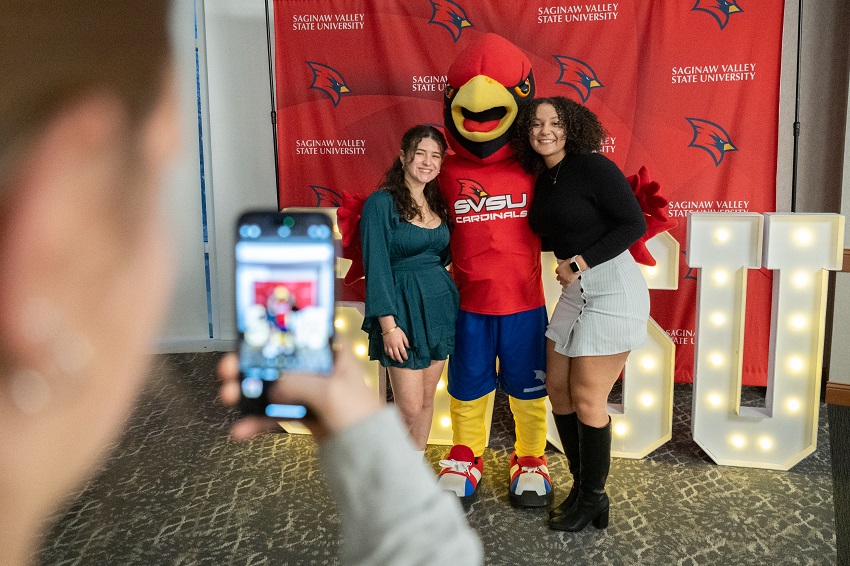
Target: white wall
238	155
187	322
240	167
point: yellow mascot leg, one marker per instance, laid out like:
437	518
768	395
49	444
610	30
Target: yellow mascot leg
468	427
530	422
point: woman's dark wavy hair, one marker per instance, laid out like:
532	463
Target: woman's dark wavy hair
584	133
394	178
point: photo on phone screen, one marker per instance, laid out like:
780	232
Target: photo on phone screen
284	303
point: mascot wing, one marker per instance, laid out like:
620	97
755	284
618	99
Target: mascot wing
654	207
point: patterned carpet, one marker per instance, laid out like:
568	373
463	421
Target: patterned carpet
176	491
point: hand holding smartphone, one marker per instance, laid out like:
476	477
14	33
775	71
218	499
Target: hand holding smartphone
285	283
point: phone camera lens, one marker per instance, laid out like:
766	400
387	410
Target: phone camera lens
252	387
318	232
249	231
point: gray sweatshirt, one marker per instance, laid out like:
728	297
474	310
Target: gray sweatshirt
392	510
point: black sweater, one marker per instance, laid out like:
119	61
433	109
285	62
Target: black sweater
590	210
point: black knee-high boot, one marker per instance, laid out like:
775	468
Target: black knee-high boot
592	502
567	426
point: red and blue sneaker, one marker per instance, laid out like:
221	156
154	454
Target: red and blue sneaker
461	473
530	483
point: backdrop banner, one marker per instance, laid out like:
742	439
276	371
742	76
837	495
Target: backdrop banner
688	89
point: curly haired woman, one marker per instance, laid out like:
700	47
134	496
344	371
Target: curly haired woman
585	209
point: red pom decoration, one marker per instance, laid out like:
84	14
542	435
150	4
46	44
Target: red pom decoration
348	219
654	207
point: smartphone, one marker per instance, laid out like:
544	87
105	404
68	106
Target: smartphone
285	286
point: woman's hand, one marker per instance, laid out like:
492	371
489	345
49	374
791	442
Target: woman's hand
396	344
565	275
337	401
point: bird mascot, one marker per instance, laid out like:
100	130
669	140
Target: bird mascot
496	265
500	338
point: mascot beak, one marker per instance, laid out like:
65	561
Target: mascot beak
483	109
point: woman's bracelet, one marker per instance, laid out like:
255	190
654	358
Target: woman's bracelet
389	331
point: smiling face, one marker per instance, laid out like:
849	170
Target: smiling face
547	135
422	164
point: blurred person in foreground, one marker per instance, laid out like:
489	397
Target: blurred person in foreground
391	508
88	120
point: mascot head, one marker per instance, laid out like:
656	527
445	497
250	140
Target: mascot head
487	84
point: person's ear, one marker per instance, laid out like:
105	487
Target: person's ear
55	234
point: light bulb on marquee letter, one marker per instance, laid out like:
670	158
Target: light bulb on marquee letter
799	248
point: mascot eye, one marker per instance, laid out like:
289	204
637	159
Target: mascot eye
523	89
450	92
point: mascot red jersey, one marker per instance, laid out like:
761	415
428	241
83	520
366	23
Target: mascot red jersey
496	265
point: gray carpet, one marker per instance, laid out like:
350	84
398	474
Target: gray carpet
176	491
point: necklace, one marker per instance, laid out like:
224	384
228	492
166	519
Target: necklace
426	215
555	177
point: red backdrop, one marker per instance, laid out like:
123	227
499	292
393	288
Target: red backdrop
688	89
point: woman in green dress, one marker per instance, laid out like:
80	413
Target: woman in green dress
411	301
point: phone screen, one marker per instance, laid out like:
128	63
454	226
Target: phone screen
284	303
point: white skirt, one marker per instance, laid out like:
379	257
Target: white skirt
603	312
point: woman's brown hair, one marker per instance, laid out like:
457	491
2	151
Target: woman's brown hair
394	178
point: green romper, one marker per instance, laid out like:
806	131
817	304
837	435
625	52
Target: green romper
406	277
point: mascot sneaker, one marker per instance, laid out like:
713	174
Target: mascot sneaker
530	483
461	473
